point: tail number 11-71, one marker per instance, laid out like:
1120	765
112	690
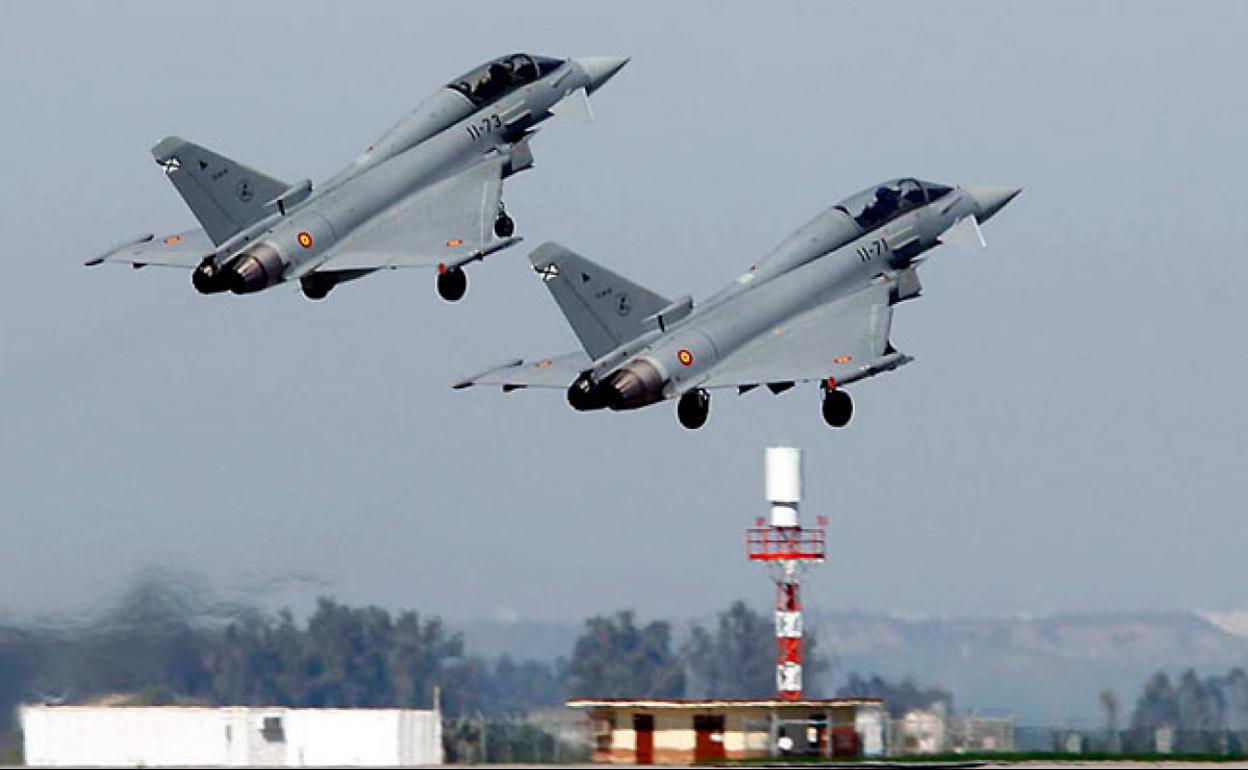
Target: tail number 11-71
486	125
873	249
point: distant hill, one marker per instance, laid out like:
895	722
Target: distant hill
1046	670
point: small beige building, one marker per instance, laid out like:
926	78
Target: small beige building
646	732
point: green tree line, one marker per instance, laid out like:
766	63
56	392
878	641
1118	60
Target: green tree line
163	643
1207	714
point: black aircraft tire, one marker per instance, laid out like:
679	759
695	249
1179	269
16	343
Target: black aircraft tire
452	284
693	408
838	408
504	226
315	290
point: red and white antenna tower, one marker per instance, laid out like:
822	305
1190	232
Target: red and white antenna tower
787	549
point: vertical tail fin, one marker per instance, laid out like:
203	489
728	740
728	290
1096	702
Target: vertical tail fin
224	196
603	309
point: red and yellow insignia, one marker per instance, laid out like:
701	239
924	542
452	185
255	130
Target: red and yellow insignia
305	239
842	359
545	363
455	242
684	357
173	240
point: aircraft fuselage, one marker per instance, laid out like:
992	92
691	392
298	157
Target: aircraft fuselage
830	257
441	137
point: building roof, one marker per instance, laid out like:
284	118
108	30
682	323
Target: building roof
187	709
648	703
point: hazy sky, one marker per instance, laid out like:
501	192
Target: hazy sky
1070	437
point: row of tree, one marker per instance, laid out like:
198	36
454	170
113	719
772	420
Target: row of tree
1214	703
158	646
165	643
734	659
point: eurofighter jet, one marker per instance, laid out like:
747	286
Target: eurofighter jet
427	193
818	308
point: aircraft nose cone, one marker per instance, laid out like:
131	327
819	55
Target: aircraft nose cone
990	200
600	69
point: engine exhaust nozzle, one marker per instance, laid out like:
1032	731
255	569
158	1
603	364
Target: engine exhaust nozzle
636	384
256	268
585	395
208	278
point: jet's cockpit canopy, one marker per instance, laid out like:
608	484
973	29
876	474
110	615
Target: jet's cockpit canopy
493	80
876	205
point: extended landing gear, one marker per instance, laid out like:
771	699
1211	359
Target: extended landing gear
693	408
504	226
316	286
452	284
838	407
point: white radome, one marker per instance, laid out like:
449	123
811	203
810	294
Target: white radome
782	467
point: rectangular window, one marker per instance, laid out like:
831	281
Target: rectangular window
272	731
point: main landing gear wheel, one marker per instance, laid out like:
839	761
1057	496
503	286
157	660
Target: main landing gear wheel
504	226
452	284
838	407
693	408
315	289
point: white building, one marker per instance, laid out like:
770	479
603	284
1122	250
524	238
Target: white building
933	731
135	736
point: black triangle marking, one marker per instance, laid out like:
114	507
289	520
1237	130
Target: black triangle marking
202	165
585	278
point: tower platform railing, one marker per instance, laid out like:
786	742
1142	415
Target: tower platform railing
785	544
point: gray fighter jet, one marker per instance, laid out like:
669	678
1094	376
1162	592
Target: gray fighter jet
817	309
428	192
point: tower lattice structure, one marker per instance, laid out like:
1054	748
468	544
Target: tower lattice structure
787	549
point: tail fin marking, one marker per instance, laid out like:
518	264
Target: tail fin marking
225	196
603	308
